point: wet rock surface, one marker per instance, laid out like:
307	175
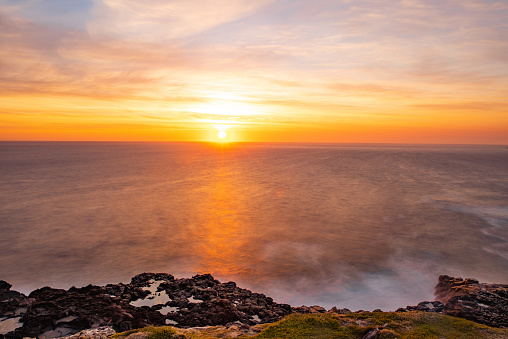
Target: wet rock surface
469	299
424	306
310	309
480	302
150	299
12	303
56	312
204	301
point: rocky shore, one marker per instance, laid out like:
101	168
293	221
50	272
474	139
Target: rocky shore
156	299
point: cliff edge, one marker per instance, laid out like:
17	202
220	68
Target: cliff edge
157	299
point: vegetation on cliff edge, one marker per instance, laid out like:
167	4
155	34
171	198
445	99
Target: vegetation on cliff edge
410	325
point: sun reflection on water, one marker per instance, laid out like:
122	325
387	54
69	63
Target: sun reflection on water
223	234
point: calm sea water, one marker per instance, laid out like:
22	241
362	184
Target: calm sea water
354	226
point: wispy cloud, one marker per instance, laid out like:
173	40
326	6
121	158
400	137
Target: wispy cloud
161	20
469	106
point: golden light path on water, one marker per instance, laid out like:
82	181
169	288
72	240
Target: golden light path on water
223	234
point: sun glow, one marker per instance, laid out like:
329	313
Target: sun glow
222	135
225	105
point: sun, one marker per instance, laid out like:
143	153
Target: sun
222	135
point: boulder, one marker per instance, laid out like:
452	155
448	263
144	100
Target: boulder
480	302
425	306
4	286
340	311
12	303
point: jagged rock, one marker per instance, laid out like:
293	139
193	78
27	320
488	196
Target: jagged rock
12	303
373	334
425	306
4	286
340	311
309	309
149	299
57	312
204	301
317	309
143	279
96	333
483	303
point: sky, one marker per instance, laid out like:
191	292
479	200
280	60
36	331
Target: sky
365	71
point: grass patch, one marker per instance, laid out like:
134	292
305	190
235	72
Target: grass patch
432	325
313	326
164	332
377	318
409	325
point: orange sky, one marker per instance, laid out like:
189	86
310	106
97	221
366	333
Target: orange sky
403	71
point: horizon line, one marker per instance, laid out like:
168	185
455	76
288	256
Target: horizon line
252	142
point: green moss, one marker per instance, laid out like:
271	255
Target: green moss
432	325
387	334
409	325
313	326
412	325
164	332
377	318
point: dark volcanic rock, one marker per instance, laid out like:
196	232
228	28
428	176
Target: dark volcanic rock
197	301
312	309
204	301
55	312
12	303
483	303
425	306
143	279
340	311
4	286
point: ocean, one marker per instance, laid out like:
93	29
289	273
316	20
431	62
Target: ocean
355	226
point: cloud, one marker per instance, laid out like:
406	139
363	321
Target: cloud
363	46
374	89
468	105
163	20
37	59
291	61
